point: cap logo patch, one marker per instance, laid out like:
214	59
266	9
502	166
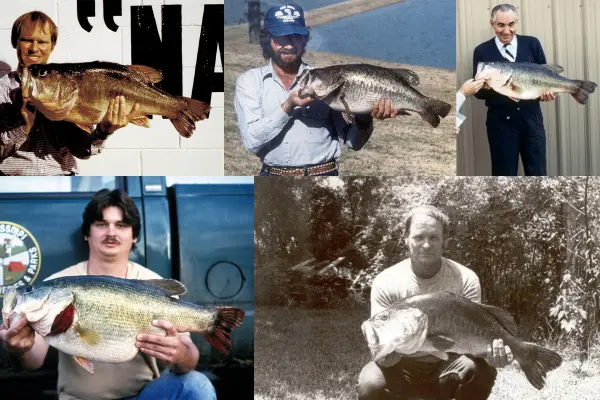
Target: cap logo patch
287	14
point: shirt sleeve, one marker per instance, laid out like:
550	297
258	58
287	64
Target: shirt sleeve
355	135
381	298
460	100
256	129
12	135
472	288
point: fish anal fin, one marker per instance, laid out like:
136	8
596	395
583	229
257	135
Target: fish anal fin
87	128
441	343
407	75
85	364
150	73
556	68
228	318
440	355
89	336
142	121
171	287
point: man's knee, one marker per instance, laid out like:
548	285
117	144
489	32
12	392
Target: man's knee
371	383
195	385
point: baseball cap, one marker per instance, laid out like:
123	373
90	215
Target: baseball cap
285	19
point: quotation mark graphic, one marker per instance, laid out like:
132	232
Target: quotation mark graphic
87	8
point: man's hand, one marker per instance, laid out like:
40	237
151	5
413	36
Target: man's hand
472	86
169	349
19	338
117	116
499	355
293	100
547	96
383	110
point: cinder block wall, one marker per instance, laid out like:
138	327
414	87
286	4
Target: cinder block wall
132	150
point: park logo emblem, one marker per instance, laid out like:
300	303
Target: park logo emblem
20	257
290	14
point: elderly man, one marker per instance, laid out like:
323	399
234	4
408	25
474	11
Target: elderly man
290	135
422	375
513	127
110	227
49	148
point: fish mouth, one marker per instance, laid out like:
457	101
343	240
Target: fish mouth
303	81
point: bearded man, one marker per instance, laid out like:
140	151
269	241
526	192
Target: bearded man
290	135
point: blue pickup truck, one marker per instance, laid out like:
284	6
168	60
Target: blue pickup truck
199	234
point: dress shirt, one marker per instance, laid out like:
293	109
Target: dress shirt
512	47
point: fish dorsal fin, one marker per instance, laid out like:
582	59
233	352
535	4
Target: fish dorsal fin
502	317
150	73
407	75
169	286
556	68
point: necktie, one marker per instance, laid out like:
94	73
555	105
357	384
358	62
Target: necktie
508	52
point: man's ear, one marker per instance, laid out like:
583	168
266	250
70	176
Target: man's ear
491	23
134	240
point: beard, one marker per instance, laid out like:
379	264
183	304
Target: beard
277	57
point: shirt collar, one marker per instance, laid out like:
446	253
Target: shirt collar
500	45
268	70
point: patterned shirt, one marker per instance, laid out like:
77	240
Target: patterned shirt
311	135
51	146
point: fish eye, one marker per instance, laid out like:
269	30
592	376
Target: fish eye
28	289
384	317
42	73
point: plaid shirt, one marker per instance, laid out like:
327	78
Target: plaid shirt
51	146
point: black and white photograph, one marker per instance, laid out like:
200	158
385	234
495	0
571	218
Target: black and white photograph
427	288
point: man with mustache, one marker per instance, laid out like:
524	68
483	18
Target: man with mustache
111	227
290	135
513	127
50	147
422	375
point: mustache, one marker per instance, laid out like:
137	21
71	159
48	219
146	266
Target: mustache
111	239
293	51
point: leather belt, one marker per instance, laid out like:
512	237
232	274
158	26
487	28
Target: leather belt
307	170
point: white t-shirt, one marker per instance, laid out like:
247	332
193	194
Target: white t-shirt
399	281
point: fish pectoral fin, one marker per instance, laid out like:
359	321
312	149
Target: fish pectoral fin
439	354
149	73
407	75
142	121
171	287
87	128
441	343
553	67
89	336
85	364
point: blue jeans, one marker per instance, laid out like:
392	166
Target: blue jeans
169	386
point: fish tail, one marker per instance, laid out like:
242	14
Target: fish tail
434	109
584	89
537	363
228	318
195	110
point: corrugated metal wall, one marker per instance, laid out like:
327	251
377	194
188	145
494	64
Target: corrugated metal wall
570	36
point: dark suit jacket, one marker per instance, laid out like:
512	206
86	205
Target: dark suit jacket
529	49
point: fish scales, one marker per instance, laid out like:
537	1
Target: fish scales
440	323
125	312
357	88
98	318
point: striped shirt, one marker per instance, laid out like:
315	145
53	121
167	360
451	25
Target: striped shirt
49	149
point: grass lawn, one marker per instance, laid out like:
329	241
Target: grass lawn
303	354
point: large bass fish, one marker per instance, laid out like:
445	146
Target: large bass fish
80	93
97	318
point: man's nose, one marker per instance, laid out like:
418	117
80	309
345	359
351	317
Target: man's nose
34	47
112	229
